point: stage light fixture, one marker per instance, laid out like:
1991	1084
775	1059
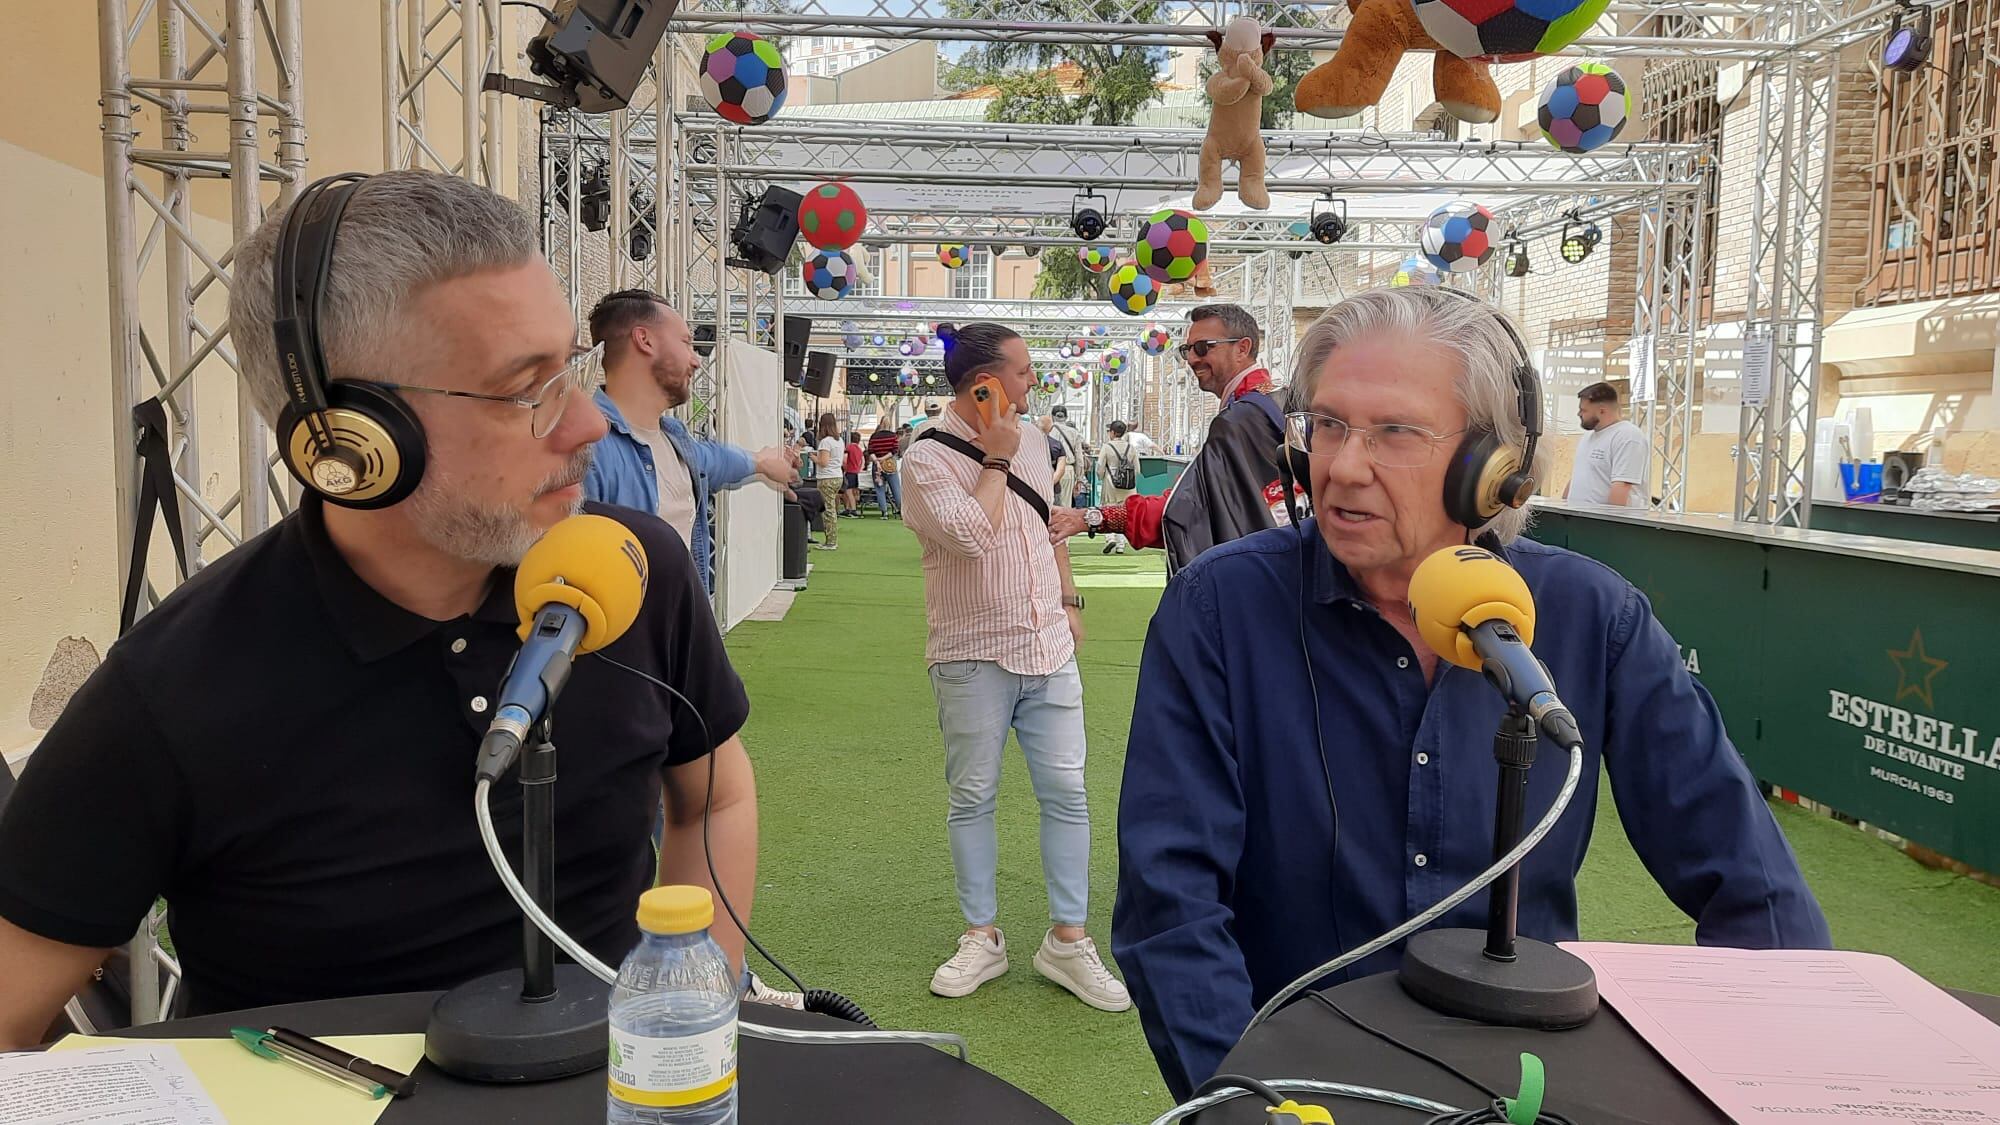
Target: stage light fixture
1908	47
639	227
593	205
594	55
1517	259
1579	239
1086	216
1032	251
1328	222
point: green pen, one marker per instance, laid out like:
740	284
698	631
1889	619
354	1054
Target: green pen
266	1045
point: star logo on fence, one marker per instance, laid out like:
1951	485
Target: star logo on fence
1915	669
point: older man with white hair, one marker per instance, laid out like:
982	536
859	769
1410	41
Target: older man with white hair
1304	774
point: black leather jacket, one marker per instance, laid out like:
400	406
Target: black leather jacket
1231	488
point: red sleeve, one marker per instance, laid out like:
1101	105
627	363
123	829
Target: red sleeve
1142	520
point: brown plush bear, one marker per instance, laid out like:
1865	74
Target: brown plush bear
1237	89
1381	30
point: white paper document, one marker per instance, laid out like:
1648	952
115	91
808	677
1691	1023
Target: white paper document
1837	1038
148	1085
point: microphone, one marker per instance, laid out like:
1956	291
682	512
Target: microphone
577	589
1474	611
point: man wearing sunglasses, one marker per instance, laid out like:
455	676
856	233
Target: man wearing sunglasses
283	748
1231	488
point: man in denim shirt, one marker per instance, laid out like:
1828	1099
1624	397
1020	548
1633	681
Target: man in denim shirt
1304	773
649	461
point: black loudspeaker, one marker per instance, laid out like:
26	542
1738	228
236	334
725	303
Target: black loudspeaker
704	340
819	375
595	55
792	347
763	236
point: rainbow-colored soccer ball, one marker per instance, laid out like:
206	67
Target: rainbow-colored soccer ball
1133	291
1457	237
1155	340
828	274
743	77
1171	245
1507	30
1096	259
1585	108
952	254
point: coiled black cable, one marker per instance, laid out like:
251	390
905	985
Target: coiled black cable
826	1002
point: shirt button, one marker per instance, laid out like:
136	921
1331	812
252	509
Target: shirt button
458	644
479	705
1423	759
1402	662
1421	859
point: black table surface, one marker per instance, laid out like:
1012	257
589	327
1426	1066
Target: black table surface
1602	1073
780	1083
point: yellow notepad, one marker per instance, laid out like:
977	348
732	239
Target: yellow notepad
256	1091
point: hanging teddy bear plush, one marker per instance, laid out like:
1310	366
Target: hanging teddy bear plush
1355	77
1237	89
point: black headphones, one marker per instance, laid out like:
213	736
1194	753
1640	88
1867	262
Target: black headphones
1487	475
354	443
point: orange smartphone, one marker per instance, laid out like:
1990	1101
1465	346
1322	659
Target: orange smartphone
990	399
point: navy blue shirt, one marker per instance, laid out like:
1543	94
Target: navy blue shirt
1234	877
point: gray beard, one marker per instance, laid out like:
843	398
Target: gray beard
495	535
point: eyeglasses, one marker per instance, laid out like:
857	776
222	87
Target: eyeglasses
583	372
1199	349
1392	445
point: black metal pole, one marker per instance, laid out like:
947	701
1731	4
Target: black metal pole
1514	749
538	861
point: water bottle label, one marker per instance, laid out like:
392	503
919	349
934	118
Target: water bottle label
672	1071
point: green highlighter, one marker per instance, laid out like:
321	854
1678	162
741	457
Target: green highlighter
279	1046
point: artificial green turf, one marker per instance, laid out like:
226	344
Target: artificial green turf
855	884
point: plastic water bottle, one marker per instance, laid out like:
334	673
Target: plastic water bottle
673	1018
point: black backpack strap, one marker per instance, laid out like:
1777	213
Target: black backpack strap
1269	407
156	493
1020	487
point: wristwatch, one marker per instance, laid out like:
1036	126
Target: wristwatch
1093	518
1075	600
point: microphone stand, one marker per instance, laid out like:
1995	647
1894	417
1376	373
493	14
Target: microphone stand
1498	977
542	1020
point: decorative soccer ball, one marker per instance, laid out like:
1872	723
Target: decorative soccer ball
1585	108
1096	259
879	340
1099	330
1507	30
828	274
1077	377
1078	347
952	254
908	375
1066	350
1133	290
1051	381
1457	237
743	77
1115	361
831	216
1171	244
913	346
1415	271
1155	340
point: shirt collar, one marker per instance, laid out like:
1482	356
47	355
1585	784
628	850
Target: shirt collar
372	626
1332	581
951	423
1253	378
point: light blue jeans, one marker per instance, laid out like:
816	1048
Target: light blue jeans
893	483
978	701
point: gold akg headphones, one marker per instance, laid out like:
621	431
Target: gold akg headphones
1488	474
354	443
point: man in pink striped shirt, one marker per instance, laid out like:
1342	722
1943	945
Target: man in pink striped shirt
1005	620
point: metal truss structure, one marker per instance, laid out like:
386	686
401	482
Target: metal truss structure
1167	23
203	74
1785	308
440	51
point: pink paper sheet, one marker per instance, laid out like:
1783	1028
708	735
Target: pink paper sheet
1790	1036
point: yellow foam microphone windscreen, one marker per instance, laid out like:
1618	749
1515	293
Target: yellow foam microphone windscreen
1460	587
593	563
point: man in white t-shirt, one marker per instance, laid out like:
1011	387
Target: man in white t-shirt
1611	459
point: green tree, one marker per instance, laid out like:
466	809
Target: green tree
1286	67
1113	84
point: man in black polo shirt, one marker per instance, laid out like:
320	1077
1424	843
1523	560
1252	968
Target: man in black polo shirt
284	748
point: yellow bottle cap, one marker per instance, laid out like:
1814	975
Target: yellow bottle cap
676	910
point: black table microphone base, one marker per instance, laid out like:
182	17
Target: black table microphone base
1543	987
482	1031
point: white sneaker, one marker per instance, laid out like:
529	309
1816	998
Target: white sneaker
1077	967
978	960
761	993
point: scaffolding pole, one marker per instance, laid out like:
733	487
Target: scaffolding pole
445	48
